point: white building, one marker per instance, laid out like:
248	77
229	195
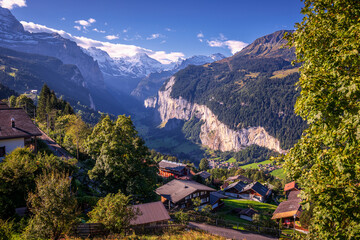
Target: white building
16	130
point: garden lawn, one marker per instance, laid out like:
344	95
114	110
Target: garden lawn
261	207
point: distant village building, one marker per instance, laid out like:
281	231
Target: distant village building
16	130
34	91
203	174
233	190
179	193
151	214
239	178
173	169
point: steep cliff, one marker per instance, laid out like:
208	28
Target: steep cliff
214	134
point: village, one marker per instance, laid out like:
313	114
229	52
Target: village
238	197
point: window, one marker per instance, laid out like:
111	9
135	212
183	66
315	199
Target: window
2	151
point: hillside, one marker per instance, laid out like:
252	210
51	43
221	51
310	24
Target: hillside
245	99
23	72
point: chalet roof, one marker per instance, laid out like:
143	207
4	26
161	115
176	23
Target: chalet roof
290	186
294	195
24	127
150	212
171	166
257	187
215	196
176	190
204	174
237	185
287	209
240	178
3	105
246	211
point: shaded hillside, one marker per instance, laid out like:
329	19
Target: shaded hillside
6	92
252	88
23	72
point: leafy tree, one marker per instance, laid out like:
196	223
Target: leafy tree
42	102
53	206
122	161
18	172
204	164
6	229
114	212
196	202
326	160
27	104
12	101
182	217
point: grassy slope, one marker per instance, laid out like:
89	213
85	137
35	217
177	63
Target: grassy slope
255	165
279	173
261	207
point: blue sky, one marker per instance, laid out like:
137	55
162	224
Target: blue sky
182	28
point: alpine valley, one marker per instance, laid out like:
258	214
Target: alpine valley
187	108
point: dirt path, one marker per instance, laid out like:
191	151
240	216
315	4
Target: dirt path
54	147
229	233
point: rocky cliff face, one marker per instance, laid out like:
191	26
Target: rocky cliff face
214	133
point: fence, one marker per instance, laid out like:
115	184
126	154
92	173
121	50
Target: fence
89	230
235	225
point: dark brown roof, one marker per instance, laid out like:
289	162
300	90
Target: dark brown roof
287	208
294	195
257	187
177	190
3	105
290	186
171	166
204	174
246	211
149	213
239	186
215	196
24	127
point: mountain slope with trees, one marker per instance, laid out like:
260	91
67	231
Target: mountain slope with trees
255	87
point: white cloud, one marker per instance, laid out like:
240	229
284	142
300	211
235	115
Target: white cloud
91	20
85	23
233	45
114	50
77	27
111	37
99	31
169	30
155	36
125	30
10	4
63	19
200	35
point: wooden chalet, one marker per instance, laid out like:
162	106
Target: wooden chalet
289	211
203	174
216	200
246	214
16	130
179	193
289	187
151	214
253	191
173	169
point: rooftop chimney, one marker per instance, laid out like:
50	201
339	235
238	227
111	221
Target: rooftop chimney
12	122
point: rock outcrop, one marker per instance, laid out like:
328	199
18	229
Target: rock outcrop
214	134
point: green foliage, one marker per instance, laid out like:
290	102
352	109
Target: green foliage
49	106
192	129
196	202
326	160
6	92
204	164
27	104
6	229
240	101
122	161
114	212
182	217
18	172
53	206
